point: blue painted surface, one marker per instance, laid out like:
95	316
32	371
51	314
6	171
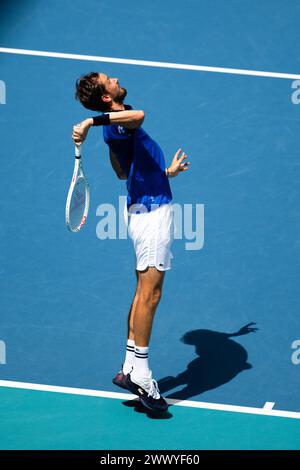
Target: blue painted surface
65	297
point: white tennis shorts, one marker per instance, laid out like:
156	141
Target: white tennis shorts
152	234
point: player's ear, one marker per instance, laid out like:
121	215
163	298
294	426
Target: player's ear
106	98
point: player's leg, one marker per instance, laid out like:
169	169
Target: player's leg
130	321
130	352
140	380
151	282
152	236
140	320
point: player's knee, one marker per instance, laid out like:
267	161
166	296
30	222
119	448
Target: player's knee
156	296
152	296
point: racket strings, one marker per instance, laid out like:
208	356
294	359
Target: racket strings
78	199
78	205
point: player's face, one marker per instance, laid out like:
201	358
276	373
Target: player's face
113	88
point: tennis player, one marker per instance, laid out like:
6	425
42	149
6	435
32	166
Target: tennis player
137	158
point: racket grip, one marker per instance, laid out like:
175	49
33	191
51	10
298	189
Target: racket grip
77	151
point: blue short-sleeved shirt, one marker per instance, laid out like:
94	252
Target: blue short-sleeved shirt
142	160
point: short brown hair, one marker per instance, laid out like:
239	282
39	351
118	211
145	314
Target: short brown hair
89	92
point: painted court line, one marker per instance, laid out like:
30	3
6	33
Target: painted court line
269	405
267	411
148	63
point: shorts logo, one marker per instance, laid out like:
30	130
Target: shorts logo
161	264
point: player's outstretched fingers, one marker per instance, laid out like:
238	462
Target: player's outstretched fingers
177	153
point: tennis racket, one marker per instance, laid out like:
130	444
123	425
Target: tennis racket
78	200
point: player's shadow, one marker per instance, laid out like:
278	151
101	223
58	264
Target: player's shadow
220	360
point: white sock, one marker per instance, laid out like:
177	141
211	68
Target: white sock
130	356
141	365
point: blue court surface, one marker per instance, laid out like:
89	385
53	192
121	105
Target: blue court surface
225	346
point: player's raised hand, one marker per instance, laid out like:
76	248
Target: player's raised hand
178	164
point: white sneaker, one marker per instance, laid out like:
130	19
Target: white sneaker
148	384
147	390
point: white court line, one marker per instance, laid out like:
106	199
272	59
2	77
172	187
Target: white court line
269	405
127	396
148	63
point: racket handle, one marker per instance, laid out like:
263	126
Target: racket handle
77	151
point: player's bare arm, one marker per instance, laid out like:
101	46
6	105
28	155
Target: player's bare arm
129	119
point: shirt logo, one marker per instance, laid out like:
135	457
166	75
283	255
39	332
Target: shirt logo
121	130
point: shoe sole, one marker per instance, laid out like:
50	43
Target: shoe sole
120	384
155	410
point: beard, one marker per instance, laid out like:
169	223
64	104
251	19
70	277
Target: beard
121	95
